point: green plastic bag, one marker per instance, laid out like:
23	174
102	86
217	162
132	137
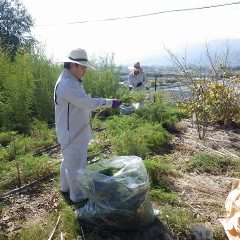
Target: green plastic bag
119	199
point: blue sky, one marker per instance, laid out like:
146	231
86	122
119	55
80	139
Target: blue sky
129	39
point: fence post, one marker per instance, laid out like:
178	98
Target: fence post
155	86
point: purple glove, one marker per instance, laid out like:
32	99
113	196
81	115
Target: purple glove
116	103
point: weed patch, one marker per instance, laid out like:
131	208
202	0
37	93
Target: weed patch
6	137
177	219
159	172
213	164
130	135
159	112
14	145
69	223
163	198
24	170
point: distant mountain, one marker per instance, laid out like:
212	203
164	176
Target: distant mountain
197	53
158	59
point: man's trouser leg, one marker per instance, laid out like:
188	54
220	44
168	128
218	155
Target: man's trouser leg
74	159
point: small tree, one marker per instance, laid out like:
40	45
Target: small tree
214	94
15	26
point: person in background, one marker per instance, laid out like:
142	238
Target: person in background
137	79
72	118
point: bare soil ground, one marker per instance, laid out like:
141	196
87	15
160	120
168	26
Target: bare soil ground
27	206
205	194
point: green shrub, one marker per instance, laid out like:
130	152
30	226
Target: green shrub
18	94
159	172
3	153
130	135
44	75
179	220
31	168
26	91
41	134
6	137
128	97
159	112
213	164
130	142
98	146
40	137
163	198
118	124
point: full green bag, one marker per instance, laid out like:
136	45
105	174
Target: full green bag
117	190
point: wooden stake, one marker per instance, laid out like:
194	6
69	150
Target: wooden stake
54	230
62	236
18	175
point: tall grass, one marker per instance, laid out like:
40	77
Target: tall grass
27	85
26	90
104	82
44	75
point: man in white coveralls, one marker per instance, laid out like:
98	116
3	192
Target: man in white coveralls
72	118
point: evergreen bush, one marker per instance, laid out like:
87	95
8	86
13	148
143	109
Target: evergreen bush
130	135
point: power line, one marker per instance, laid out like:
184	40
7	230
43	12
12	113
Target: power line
144	15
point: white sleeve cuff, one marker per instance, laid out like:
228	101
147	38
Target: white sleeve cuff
107	103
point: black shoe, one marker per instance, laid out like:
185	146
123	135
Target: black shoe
80	203
66	197
64	193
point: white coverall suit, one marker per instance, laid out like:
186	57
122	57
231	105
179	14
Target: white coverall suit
133	80
72	118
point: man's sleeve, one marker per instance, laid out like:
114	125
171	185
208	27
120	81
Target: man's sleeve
80	99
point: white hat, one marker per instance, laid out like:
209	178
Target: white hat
78	56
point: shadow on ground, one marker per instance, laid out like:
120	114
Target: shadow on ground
155	231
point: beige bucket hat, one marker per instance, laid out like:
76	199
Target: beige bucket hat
136	67
78	56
